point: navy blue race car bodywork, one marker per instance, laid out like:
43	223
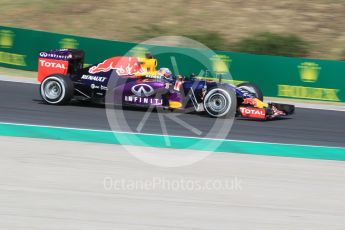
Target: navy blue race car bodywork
136	82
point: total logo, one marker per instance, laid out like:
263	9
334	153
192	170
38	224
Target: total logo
253	112
142	90
50	64
93	78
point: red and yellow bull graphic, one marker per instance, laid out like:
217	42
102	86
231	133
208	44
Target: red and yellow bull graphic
254	102
125	66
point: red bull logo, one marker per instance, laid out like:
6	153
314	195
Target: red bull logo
250	101
122	65
254	102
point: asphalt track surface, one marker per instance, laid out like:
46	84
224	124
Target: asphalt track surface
50	184
21	103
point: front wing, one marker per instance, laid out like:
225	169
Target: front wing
271	111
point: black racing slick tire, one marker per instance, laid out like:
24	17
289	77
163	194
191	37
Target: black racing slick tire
253	89
220	103
57	89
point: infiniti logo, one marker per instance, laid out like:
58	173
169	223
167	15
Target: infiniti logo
142	90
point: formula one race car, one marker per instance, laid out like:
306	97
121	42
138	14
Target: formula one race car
138	83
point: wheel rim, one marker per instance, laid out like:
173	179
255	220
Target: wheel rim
52	90
217	103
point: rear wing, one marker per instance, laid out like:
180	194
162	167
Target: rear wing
59	61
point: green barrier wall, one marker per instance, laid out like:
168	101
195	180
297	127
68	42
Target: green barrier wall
277	76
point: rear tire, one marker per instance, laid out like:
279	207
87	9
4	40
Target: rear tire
220	103
253	89
57	89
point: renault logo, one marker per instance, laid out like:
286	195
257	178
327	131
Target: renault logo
142	90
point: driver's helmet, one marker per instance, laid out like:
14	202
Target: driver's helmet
165	72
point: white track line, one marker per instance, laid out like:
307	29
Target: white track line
162	135
27	80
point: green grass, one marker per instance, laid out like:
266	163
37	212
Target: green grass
274	44
343	55
319	22
17	73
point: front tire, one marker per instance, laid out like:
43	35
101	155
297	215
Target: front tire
252	88
220	103
57	89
